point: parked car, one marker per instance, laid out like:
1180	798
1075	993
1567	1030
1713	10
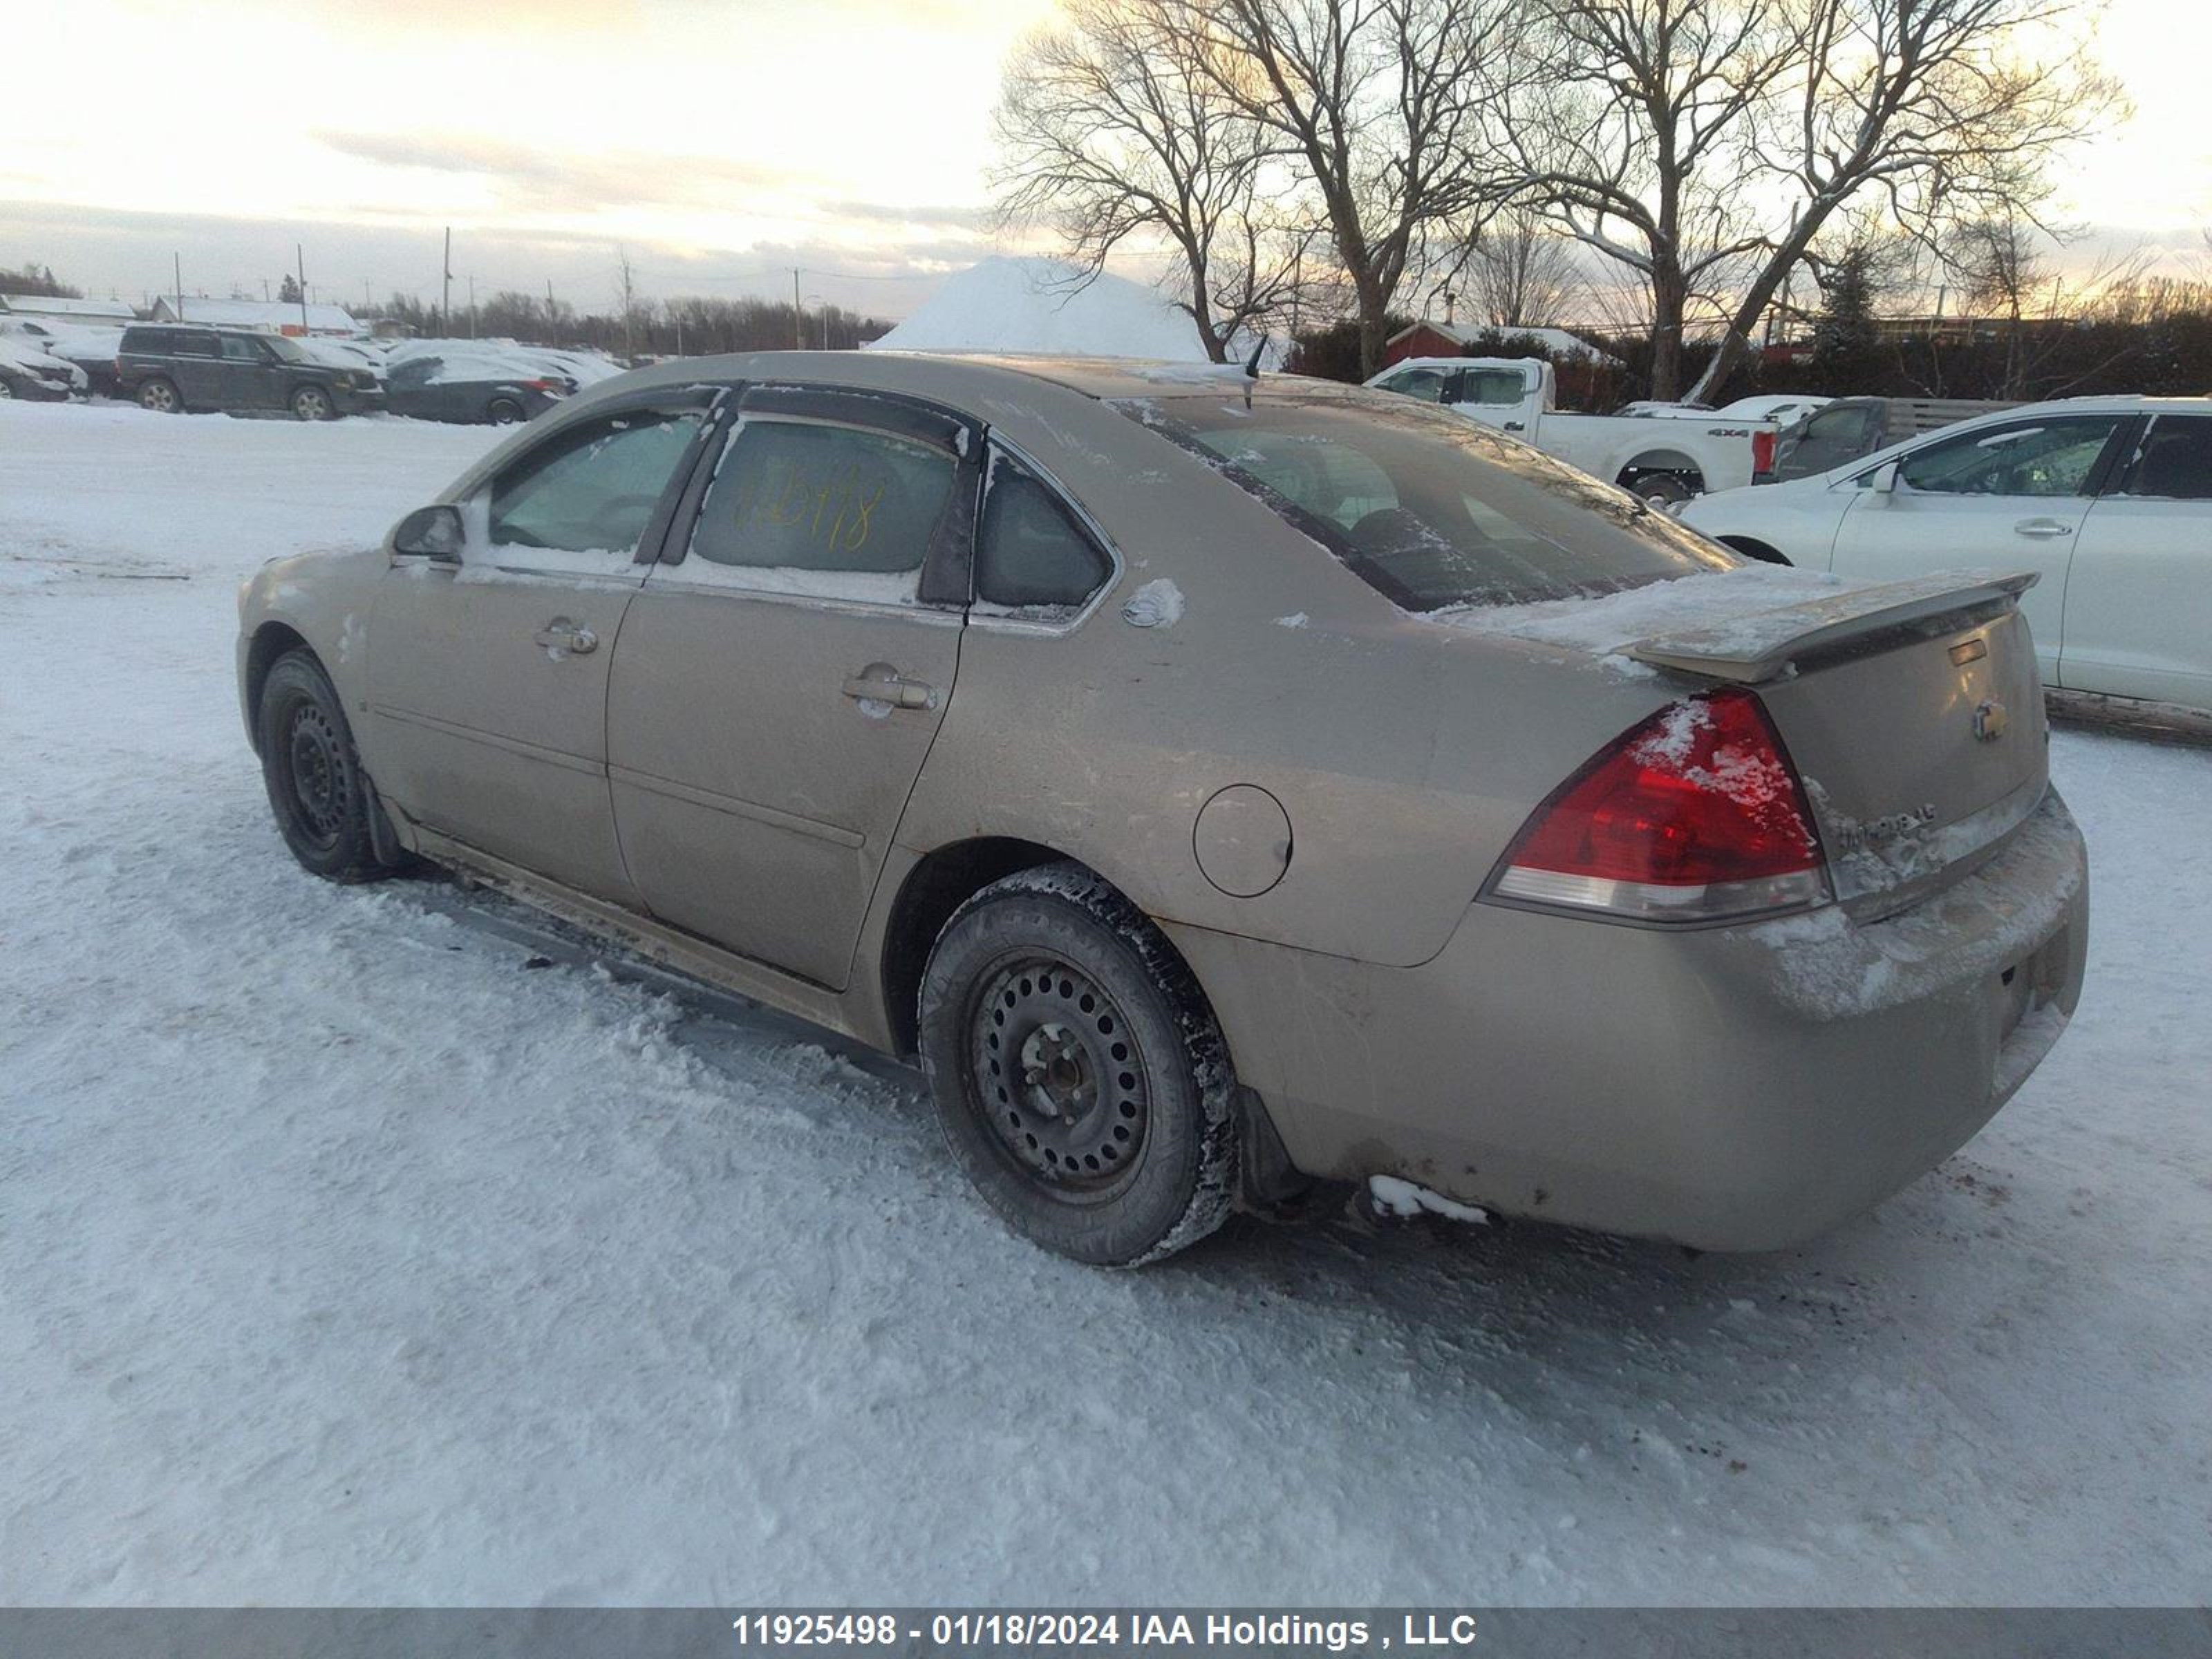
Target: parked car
1669	463
1215	785
1849	427
2107	500
174	367
91	348
474	387
34	375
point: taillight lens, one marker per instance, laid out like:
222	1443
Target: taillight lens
1762	451
1696	815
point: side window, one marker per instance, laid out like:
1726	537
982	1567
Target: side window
1029	554
195	345
1496	386
1427	383
1838	426
836	512
237	349
592	490
2174	461
415	372
2041	459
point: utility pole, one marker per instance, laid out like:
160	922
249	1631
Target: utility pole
472	305
798	315
300	256
177	263
552	315
446	292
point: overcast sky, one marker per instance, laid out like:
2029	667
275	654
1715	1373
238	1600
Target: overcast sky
720	142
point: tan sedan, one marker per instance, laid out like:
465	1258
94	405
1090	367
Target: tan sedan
1222	788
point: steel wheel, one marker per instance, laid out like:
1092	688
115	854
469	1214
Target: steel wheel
1054	1065
315	769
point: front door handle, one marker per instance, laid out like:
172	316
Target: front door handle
880	682
562	635
2042	527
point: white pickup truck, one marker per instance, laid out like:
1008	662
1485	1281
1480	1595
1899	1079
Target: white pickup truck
1667	460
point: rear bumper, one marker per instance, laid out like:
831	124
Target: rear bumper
1733	1089
353	401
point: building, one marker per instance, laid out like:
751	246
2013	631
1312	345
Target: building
1428	338
271	316
99	311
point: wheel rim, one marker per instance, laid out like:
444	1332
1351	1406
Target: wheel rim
158	396
6	391
1055	1073
505	414
311	404
316	772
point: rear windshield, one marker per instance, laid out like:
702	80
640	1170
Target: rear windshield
1429	508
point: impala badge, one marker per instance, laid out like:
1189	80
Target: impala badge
1991	721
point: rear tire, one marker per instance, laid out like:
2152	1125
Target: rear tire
1081	1081
317	790
504	411
161	396
312	402
1661	487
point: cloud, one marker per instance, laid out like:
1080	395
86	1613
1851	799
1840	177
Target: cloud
523	176
971	217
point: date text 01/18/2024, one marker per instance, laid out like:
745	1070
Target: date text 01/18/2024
961	1630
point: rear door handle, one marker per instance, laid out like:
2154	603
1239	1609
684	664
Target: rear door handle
560	635
878	682
2042	527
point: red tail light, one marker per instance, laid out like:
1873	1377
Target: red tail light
1762	451
1695	815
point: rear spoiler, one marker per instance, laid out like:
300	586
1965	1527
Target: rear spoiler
1766	644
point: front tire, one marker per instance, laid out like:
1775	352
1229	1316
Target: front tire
312	402
161	396
1661	489
504	411
316	788
1081	1081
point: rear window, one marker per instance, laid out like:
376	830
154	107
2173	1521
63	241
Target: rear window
1429	508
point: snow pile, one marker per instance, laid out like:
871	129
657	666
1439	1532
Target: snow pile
1157	604
1748	601
1048	307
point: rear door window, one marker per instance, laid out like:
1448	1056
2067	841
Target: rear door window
2173	462
1432	511
1496	387
195	345
237	349
822	509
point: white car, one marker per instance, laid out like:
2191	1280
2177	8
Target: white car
2107	500
1662	461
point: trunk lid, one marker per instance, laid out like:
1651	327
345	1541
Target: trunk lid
1912	710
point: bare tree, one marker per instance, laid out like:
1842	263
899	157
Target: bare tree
1934	107
1383	106
1706	144
1521	272
1111	127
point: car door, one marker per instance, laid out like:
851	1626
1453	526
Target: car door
783	672
488	677
247	373
2139	601
2009	496
196	366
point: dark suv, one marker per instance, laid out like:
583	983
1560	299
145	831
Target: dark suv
171	366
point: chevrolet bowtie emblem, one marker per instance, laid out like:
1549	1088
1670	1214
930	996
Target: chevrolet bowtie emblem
1991	721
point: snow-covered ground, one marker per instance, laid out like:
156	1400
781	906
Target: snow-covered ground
345	1256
